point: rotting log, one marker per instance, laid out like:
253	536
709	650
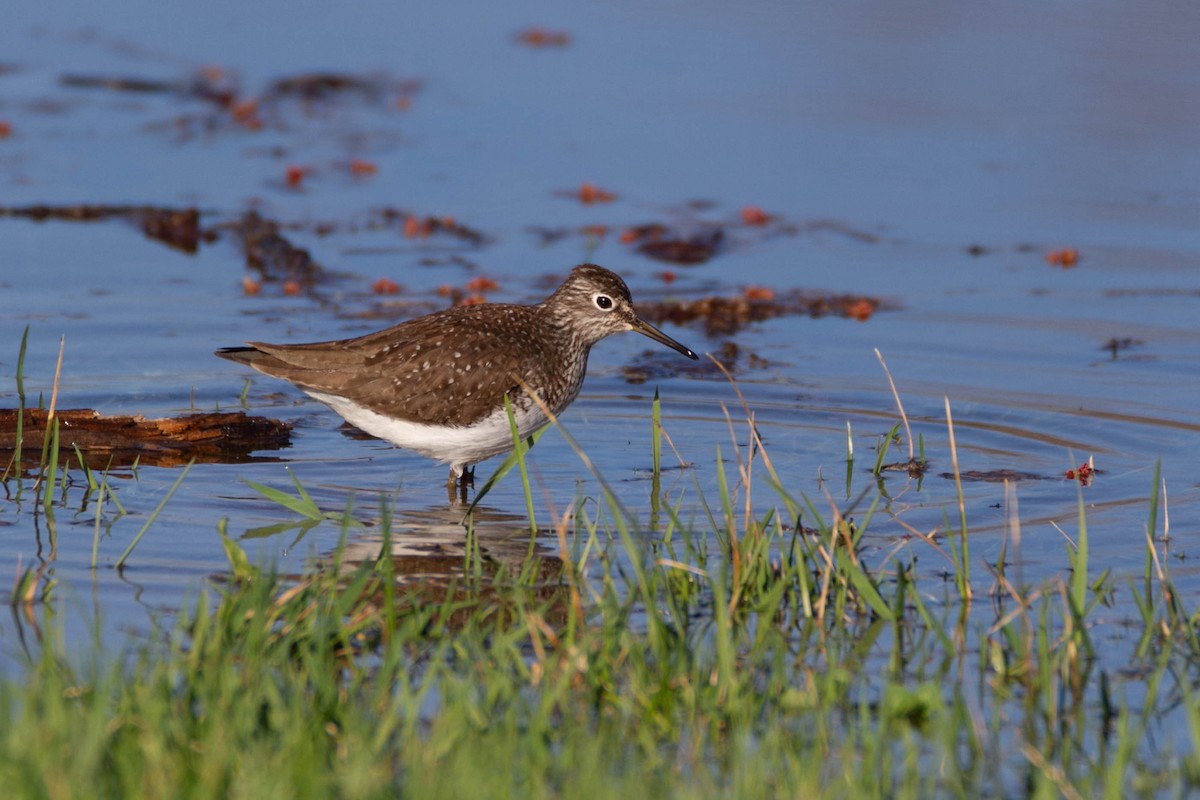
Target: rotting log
218	437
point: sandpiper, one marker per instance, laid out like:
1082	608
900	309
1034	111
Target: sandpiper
436	384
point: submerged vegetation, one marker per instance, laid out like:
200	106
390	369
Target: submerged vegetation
759	651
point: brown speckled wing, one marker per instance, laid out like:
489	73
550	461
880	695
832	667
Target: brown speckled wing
449	368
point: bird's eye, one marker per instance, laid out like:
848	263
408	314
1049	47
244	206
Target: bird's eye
603	302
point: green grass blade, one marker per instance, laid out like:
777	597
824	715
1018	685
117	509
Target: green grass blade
1151	527
1079	559
656	441
655	460
506	466
150	521
882	451
87	473
302	492
96	532
20	404
865	587
302	505
519	452
239	563
50	468
963	567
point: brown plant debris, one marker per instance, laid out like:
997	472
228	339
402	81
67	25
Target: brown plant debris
117	83
322	85
726	315
995	476
273	255
915	467
1118	345
219	437
410	225
215	85
233	108
210	86
662	244
175	227
693	241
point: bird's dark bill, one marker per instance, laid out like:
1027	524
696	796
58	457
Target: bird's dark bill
643	327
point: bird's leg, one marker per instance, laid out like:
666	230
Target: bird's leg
466	481
459	481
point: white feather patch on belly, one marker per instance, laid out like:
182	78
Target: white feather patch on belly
457	446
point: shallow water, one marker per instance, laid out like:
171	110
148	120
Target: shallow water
888	144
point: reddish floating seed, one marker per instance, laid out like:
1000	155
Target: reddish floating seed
599	231
759	293
295	176
860	310
753	215
385	286
540	37
534	36
412	227
590	193
667	276
1065	258
244	108
445	290
629	236
213	73
250	287
245	113
403	103
361	167
1083	474
5	129
474	300
482	284
291	288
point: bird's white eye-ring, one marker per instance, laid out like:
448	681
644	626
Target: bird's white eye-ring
603	302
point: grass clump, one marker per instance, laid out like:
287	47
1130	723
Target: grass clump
324	687
750	655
